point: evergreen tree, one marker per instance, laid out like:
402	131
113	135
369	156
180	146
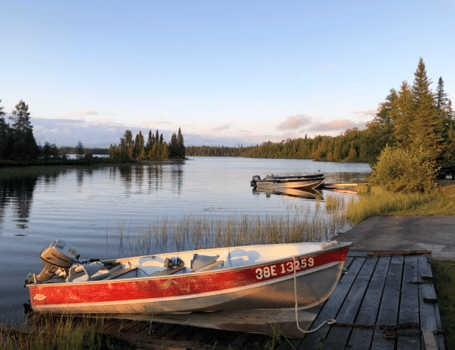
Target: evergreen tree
180	145
4	134
173	147
424	128
80	148
138	144
24	144
402	117
440	95
21	118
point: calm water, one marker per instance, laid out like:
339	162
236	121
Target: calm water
87	207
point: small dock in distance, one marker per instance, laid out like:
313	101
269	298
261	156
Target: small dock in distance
378	289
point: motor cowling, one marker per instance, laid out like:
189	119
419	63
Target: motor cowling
55	255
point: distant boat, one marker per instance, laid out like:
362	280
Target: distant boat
269	276
310	181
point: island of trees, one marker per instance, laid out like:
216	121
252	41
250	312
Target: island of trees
411	119
154	149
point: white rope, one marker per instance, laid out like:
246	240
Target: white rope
329	321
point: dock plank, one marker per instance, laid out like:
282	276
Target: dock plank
388	310
409	304
338	336
427	312
332	306
361	338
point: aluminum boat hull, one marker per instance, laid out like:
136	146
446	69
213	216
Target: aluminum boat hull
253	277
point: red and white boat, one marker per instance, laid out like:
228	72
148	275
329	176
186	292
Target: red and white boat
270	276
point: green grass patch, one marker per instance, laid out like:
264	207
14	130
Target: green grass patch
444	275
377	202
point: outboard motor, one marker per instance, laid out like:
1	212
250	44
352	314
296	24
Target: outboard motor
253	181
55	255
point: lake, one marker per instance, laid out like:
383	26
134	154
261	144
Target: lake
107	212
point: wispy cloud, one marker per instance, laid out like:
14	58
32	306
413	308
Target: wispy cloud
294	122
222	127
366	114
342	124
80	113
320	70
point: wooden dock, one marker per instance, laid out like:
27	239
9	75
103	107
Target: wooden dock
377	290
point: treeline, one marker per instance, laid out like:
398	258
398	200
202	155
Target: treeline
17	142
154	149
76	150
344	148
412	117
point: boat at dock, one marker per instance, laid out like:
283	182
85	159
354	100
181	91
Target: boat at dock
269	276
301	182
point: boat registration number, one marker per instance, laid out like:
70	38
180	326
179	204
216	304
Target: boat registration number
283	268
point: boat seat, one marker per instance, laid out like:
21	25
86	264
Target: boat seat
215	266
205	263
167	272
91	272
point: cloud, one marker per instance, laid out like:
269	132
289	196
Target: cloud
366	114
294	122
320	70
222	127
54	131
342	124
80	113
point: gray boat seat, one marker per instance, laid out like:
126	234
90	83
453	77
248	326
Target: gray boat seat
202	263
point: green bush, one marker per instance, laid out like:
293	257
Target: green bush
400	169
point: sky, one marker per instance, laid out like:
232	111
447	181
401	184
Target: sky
225	72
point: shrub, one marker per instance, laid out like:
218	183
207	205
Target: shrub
404	170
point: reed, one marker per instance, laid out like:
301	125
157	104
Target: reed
299	223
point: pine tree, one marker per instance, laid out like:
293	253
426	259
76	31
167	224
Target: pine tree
402	117
424	129
24	144
180	145
138	144
80	148
21	118
173	147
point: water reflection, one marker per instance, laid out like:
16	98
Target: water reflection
289	192
17	192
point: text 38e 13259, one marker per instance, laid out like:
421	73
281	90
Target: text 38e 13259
283	268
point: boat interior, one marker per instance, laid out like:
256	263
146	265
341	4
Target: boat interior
198	261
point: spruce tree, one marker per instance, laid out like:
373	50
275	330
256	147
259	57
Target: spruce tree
424	129
402	117
180	145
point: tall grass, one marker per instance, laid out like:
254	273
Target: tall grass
298	223
61	333
377	202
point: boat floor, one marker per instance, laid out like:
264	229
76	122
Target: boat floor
375	291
